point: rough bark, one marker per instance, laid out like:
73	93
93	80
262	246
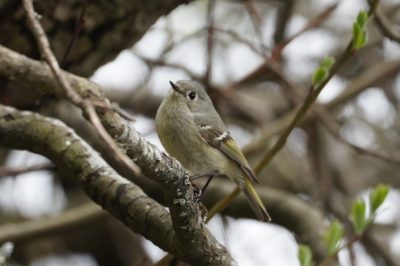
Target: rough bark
108	28
123	199
39	75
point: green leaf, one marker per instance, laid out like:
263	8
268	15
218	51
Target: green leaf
362	19
319	76
358	216
321	73
333	236
327	62
305	255
362	41
357	30
377	197
359	33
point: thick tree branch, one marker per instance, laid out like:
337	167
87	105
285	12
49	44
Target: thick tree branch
74	97
29	229
51	138
123	199
109	28
181	197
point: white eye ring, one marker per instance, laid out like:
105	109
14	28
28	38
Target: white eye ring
191	95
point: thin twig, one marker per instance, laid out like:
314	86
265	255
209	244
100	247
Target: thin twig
210	41
85	214
302	111
6	171
334	129
368	78
313	23
161	62
78	28
256	21
220	205
275	66
328	259
272	63
235	36
72	95
282	18
165	260
385	27
46	52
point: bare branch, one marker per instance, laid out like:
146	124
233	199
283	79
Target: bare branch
299	115
73	96
78	28
117	195
256	21
49	225
312	96
210	41
180	195
369	78
385	27
284	14
334	128
4	171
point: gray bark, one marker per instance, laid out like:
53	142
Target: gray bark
123	199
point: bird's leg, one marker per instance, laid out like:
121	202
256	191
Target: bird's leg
207	183
199	192
210	175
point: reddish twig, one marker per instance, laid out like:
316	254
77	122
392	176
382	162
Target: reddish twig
78	28
271	63
299	115
256	20
73	96
313	23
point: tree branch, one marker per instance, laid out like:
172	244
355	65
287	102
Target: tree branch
153	163
5	171
288	210
15	232
367	79
51	138
385	26
126	201
74	97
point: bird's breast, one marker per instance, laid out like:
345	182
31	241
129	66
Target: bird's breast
180	137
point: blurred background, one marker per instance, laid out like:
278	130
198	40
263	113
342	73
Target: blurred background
133	50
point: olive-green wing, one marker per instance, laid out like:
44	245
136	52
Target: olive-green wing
223	141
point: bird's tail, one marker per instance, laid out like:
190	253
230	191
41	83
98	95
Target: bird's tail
254	200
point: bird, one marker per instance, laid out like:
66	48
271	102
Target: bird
192	131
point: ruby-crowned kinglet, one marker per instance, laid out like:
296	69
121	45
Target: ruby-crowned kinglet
192	131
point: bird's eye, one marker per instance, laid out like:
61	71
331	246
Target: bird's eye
191	95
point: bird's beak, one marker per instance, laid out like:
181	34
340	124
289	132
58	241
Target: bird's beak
175	87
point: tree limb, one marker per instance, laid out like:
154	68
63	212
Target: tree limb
153	163
123	199
29	229
86	106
